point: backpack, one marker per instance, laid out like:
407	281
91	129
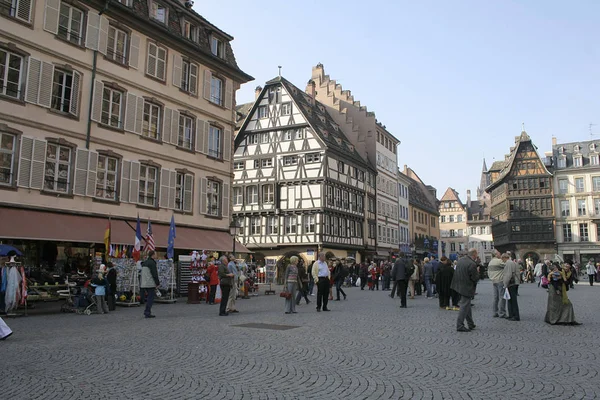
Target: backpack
410	270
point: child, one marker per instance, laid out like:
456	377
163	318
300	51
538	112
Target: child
555	277
99	284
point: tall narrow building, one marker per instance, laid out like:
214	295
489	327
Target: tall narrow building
479	223
453	224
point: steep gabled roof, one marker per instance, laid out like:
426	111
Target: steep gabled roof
497	166
419	196
241	112
451	195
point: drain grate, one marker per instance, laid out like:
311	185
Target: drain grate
273	327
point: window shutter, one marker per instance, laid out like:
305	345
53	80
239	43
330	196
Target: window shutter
92	33
175	127
46	79
166	132
225	198
172	188
34	70
134	183
200	133
139	115
92	173
74	107
103	35
125	175
205	138
227	145
97	101
207	80
38	163
25	156
187	193
177	67
51	13
151	61
81	168
228	93
161	63
203	195
130	110
193	79
24	10
164	188
134	51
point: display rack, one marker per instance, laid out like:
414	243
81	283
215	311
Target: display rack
270	266
127	279
12	313
166	276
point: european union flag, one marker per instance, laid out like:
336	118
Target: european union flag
172	236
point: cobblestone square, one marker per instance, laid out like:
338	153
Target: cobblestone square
365	348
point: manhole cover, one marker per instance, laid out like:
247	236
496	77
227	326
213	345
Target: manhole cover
267	326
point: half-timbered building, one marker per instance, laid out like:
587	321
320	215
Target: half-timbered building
300	186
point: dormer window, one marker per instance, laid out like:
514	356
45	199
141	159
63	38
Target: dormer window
216	46
190	31
593	147
594	159
577	161
158	12
577	148
561	162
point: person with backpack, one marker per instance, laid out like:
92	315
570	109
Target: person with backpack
400	275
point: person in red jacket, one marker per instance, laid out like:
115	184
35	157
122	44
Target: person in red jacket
213	281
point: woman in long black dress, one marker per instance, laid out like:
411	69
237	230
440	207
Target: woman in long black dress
560	309
443	280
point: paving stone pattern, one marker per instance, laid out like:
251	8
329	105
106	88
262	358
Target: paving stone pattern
365	348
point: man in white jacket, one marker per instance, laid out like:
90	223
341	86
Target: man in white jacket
591	271
537	272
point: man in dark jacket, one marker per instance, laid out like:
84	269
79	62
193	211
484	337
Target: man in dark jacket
149	283
400	279
112	283
362	274
464	282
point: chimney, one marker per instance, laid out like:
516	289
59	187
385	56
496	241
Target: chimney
554	141
257	92
468	199
311	90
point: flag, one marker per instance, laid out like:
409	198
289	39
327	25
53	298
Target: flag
138	241
149	239
107	239
116	254
172	236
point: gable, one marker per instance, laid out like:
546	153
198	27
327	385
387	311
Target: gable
526	161
273	109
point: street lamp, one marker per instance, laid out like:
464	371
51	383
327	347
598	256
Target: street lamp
234	230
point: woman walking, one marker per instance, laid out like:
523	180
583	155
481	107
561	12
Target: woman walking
292	282
339	276
560	309
303	289
443	280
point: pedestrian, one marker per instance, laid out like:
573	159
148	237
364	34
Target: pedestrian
414	279
511	280
226	281
320	273
100	285
537	272
111	277
436	266
213	281
496	274
443	281
428	276
311	284
363	273
5	331
400	276
386	273
303	288
559	310
338	277
292	282
233	269
149	283
591	271
463	282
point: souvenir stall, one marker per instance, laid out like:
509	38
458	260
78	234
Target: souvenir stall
127	281
192	270
166	276
270	266
14	287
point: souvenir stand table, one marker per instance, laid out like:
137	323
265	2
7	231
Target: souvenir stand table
191	274
166	276
270	266
127	281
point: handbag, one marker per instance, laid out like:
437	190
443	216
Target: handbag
506	294
544	282
285	294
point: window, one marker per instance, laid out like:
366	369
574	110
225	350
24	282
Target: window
262	112
452	233
459	218
309	224
216	90
112	107
126	2
147	195
239	165
216	47
565	209
158	12
581	208
290	160
594	159
106	182
189	77
291	223
255	225
272	225
452	246
253	139
186	129
11	66
213	198
252	194
597	208
214	142
443	218
577	161
338	197
596	183
157	61
563	186
266	163
460	233
7	158
287	135
152	120
179	191
298	133
286	108
341	167
117	45
19	9
190	31
451	218
264	137
579	185
583	233
268	194
562	162
61	90
70	24
472	230
58	168
238	196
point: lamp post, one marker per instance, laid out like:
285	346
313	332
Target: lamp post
234	230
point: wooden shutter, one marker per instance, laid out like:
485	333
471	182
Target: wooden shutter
228	93
172	188
24	10
51	14
25	156
151	61
188	191
166	133
97	101
175	127
32	90
38	162
193	81
125	179
74	107
207	80
134	51
203	183
227	145
177	70
161	63
92	174
134	182
225	198
46	79
92	33
165	176
200	134
130	110
103	35
139	116
205	138
81	168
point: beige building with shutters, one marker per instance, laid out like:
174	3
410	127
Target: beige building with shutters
114	108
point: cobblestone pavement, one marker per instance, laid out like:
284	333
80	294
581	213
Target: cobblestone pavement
365	348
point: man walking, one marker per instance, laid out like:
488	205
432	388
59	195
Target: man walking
496	274
363	272
464	282
399	276
232	269
320	273
149	283
225	278
537	272
591	271
511	280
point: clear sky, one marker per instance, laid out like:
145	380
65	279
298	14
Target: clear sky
453	80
